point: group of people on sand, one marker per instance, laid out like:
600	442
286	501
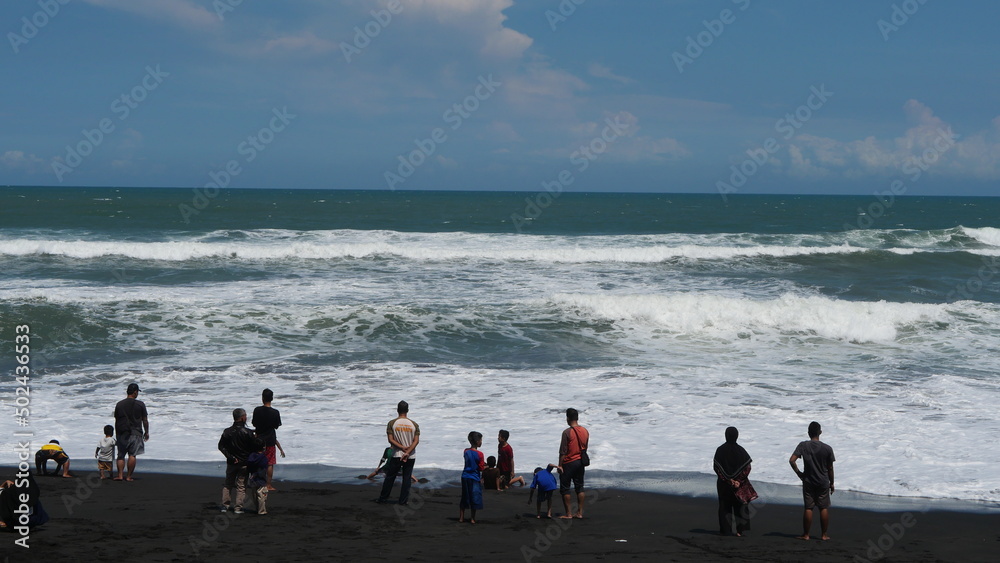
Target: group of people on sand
251	456
732	466
132	428
731	463
403	434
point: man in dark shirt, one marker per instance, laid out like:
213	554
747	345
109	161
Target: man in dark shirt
237	443
817	478
266	421
132	428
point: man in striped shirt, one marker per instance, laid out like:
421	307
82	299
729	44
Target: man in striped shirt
403	435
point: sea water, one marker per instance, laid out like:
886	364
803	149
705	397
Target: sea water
662	318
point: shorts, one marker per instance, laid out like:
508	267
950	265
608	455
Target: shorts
104	466
472	494
572	472
132	445
42	458
271	458
816	496
504	480
544	496
56	456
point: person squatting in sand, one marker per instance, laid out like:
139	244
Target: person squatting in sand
52	451
491	475
380	468
546	483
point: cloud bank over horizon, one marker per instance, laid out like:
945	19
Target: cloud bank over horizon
163	92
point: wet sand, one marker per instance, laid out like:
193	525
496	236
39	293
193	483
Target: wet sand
165	517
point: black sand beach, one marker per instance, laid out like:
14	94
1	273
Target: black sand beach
161	517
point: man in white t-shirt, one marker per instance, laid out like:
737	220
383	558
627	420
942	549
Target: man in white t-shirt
403	435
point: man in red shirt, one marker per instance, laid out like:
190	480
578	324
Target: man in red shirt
571	469
505	462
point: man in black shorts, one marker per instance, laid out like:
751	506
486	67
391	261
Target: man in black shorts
571	469
817	479
132	428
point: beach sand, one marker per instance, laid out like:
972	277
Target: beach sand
161	517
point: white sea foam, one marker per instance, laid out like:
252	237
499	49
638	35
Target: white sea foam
481	332
985	235
640	417
730	317
270	245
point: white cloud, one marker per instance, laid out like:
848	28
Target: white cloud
929	145
628	146
304	41
481	19
598	70
181	12
542	90
504	132
446	162
19	160
131	140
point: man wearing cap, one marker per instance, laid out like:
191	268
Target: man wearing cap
132	429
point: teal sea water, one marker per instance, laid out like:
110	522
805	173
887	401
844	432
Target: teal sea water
663	318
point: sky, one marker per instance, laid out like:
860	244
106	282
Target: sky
705	96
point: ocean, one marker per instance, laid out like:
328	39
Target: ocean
663	318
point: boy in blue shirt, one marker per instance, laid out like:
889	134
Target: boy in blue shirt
472	477
545	481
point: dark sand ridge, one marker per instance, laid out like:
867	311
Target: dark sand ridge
167	517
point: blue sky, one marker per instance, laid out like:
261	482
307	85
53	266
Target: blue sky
746	96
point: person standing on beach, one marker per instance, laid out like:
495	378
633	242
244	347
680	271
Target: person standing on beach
132	427
237	443
572	449
472	478
105	452
403	435
817	478
732	465
266	421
